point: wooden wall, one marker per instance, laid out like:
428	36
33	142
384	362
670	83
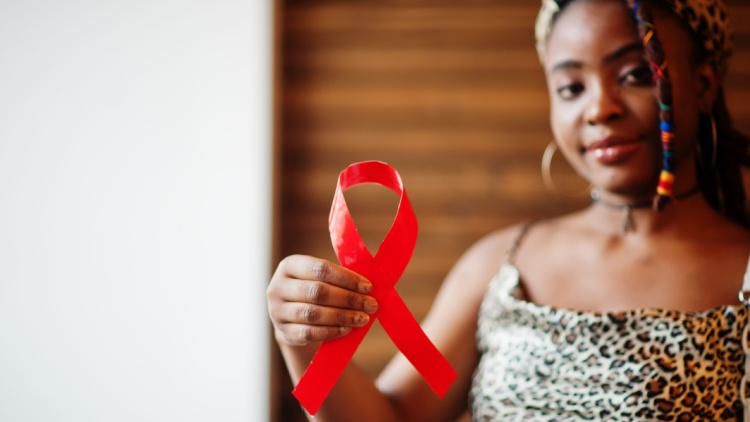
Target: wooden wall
450	92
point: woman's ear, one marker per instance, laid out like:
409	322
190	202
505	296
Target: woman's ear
707	86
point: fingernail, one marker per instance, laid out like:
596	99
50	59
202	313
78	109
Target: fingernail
364	287
362	319
344	330
371	305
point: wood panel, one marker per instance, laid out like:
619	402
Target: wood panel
448	91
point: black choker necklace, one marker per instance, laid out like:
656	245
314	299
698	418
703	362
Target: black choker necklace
629	225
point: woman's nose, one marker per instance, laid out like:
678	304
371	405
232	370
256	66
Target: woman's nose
605	105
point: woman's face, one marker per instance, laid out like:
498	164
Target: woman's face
604	113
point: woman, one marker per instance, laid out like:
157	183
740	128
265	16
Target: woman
619	311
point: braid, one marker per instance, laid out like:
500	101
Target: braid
721	178
658	64
722	151
706	160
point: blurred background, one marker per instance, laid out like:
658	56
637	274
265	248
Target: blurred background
158	158
450	92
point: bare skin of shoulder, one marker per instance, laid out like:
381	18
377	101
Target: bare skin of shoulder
689	258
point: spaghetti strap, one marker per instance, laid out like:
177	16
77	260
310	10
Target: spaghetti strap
744	297
744	293
511	254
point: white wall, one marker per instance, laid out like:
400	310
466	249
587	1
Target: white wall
134	209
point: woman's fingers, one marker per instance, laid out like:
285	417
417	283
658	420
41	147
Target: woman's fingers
302	334
304	267
312	300
320	293
305	313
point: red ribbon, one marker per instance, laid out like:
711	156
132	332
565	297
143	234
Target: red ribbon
383	270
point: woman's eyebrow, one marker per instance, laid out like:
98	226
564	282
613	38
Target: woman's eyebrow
622	51
609	58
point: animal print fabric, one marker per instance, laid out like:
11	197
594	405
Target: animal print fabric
543	363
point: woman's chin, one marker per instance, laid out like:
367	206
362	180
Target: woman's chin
627	177
625	183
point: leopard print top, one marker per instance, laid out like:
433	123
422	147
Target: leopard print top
548	364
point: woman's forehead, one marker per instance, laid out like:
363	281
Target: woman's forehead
592	31
707	20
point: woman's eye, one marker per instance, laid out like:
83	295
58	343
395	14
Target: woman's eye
639	76
569	92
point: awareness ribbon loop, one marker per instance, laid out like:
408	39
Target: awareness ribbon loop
383	270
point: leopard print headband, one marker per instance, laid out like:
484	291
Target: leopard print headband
707	18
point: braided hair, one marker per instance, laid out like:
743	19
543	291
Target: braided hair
658	63
722	150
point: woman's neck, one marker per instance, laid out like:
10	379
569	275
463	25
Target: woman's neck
688	215
633	214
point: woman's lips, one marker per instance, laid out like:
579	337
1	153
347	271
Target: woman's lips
611	152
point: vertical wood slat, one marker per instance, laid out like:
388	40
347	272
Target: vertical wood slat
450	92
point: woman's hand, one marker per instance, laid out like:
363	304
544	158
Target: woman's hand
311	300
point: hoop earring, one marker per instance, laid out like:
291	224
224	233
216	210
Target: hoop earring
549	183
549	154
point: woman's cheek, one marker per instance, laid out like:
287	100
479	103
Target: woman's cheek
569	131
562	120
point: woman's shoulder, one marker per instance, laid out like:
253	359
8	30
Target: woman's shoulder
492	249
482	260
548	230
496	246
